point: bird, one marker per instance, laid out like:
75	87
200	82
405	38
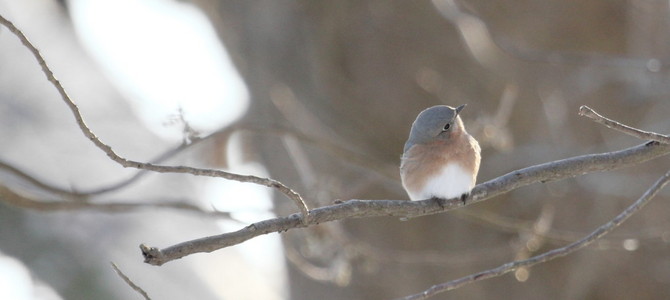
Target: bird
440	159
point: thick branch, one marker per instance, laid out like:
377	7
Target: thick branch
297	199
556	170
547	256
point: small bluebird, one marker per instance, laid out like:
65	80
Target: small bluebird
440	159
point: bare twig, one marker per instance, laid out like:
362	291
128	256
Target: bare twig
39	184
547	256
16	199
530	242
130	282
641	134
84	195
512	225
389	171
297	199
554	236
329	273
430	257
135	177
556	170
470	24
473	31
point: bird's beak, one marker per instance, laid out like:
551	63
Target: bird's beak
458	109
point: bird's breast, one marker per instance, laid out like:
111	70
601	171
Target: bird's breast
444	169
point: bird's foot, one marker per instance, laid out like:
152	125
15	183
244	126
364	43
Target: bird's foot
464	197
440	201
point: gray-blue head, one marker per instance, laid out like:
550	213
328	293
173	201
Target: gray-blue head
435	123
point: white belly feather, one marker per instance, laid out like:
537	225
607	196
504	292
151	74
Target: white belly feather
451	182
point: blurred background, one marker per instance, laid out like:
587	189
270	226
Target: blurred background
321	96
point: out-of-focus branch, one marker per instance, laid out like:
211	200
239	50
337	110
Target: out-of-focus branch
474	33
491	51
430	257
488	49
79	195
550	171
39	184
297	199
338	271
16	199
530	242
130	282
641	134
547	256
334	149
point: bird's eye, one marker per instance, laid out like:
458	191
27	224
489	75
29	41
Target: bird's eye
446	127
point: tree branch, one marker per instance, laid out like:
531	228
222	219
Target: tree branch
15	199
547	256
85	195
70	195
297	199
585	241
130	282
550	171
641	134
477	36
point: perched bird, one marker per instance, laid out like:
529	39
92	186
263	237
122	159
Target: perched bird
440	159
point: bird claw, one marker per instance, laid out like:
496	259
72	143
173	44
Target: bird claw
443	202
464	197
440	201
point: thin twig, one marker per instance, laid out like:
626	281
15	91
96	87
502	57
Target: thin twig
84	195
16	199
70	195
530	241
429	257
550	171
130	282
547	256
451	11
641	134
297	199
